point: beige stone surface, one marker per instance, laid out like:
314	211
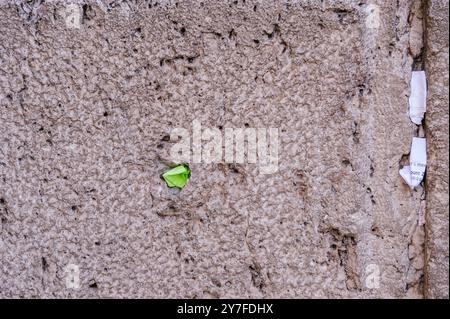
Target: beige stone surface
85	115
437	128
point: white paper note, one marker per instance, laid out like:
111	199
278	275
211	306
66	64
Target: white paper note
413	174
418	97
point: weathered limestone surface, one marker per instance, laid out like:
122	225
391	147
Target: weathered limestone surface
438	152
85	116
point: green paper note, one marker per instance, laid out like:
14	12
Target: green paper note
177	176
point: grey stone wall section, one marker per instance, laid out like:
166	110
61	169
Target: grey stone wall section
437	125
84	120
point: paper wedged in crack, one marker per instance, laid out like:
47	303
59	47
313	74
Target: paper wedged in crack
418	97
414	173
83	126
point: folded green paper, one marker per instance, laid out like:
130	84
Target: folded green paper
177	176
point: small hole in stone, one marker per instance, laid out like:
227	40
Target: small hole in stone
346	162
166	138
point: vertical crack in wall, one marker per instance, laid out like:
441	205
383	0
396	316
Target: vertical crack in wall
425	5
416	276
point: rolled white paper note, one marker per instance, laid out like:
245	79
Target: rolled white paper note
414	173
418	97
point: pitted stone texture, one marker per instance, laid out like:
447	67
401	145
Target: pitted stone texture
437	128
83	125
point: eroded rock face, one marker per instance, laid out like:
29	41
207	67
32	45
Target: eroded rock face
91	92
437	127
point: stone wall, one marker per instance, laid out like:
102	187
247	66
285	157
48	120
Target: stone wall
90	93
437	129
